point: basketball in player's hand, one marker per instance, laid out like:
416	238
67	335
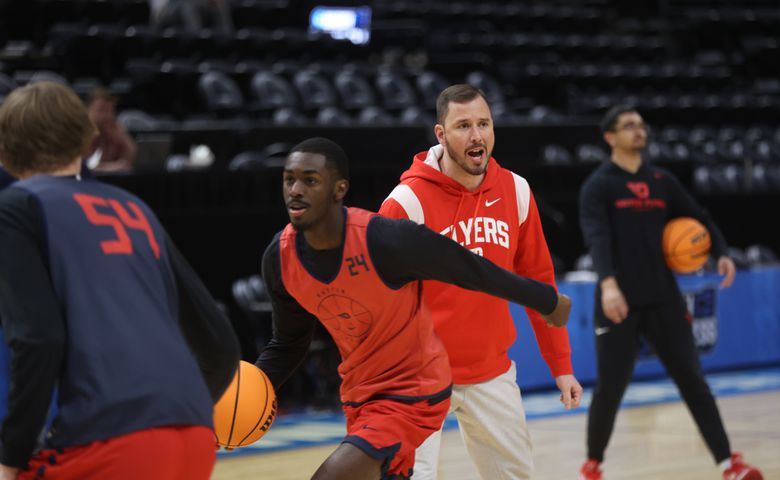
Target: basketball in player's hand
247	408
686	244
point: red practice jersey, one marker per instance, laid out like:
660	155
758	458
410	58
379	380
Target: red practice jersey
385	336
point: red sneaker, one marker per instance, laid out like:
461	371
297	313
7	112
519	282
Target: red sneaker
739	470
590	470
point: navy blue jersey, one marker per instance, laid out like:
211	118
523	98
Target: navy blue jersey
128	360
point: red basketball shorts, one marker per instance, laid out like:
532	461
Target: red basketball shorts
165	453
392	430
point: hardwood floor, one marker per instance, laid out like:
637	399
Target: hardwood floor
650	442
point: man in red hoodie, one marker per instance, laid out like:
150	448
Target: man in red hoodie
457	189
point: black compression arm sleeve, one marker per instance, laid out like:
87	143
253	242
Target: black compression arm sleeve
207	330
403	251
32	323
293	326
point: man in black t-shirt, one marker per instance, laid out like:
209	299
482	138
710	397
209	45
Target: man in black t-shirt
624	206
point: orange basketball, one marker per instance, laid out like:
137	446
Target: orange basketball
247	408
686	244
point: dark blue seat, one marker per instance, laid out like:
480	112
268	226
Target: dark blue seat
354	89
271	91
287	116
430	85
220	93
334	116
556	155
7	84
395	90
488	84
375	116
314	90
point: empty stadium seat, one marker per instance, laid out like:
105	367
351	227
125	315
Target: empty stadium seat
251	296
290	117
249	160
354	89
25	77
138	120
488	84
430	85
760	256
726	179
556	155
738	256
584	262
395	90
314	90
269	157
414	115
544	114
85	86
375	116
7	84
588	153
220	93
271	91
334	116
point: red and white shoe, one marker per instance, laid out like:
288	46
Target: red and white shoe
739	470
590	470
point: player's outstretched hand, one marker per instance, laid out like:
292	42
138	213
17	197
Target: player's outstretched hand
560	316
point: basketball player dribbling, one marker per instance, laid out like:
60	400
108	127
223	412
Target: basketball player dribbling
624	206
359	275
96	301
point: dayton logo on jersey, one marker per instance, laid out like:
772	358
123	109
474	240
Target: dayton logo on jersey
640	189
479	230
642	200
345	317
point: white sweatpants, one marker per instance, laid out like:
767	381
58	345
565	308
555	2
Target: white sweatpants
492	423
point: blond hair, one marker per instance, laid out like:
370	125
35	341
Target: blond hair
44	126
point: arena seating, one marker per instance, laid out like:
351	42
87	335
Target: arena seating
703	73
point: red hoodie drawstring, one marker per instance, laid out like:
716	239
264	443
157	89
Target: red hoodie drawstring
476	208
457	212
455	219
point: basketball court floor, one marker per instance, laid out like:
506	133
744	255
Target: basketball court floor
655	437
